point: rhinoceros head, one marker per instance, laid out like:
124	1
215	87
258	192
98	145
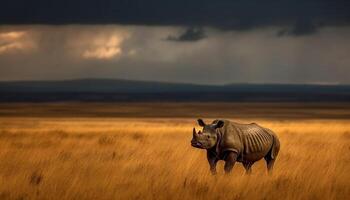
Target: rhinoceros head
206	138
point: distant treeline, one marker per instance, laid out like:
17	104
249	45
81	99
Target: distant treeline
101	90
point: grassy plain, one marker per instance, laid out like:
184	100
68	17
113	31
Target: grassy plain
67	156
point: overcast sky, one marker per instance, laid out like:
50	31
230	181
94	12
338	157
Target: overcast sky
210	42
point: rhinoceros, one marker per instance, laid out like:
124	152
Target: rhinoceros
231	142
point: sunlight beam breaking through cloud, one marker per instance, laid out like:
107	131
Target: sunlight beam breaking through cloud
104	48
14	40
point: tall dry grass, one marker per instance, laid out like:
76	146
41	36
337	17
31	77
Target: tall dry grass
71	158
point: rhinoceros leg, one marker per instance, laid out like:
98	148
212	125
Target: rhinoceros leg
271	157
230	160
248	167
269	162
212	162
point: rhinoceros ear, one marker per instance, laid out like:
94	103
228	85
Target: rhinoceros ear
219	124
201	122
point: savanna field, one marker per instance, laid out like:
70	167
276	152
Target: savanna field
143	151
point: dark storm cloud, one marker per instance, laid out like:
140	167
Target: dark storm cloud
302	17
300	28
191	34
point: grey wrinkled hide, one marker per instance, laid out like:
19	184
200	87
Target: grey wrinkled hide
250	141
232	142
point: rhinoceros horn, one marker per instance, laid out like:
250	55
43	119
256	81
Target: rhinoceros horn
195	134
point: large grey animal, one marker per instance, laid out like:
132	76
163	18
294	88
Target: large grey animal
231	142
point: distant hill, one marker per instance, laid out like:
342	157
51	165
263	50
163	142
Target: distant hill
126	90
99	86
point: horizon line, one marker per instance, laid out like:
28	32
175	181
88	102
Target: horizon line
173	82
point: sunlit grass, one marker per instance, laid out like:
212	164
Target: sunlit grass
77	158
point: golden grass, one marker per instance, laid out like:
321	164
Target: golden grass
101	158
